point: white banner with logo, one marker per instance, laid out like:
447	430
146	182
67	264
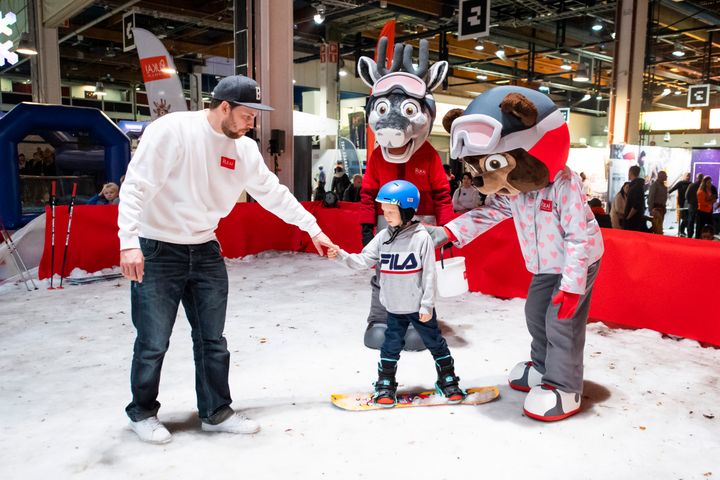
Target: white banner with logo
162	84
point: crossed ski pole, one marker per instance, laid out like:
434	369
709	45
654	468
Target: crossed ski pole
17	258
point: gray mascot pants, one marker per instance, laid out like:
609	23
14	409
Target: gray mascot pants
377	322
557	345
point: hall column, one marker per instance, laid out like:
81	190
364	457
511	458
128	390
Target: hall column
45	66
273	66
628	65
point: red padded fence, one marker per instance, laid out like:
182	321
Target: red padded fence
646	281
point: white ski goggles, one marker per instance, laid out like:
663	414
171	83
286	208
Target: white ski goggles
475	134
408	83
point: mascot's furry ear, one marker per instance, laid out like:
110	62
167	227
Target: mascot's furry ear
518	105
450	117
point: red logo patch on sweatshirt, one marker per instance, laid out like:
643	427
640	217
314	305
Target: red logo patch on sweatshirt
546	205
227	162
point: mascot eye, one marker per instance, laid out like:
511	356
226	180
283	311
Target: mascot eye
410	108
494	162
382	107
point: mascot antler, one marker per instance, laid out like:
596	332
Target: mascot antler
423	59
379	67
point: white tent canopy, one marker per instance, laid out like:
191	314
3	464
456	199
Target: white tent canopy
307	124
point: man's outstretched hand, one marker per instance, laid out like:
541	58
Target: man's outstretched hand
321	240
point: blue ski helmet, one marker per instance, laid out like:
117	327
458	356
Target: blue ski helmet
399	192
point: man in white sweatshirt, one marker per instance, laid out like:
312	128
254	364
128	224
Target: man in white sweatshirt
188	172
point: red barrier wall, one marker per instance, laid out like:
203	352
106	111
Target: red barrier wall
645	281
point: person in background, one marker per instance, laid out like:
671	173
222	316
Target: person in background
681	187
705	198
657	202
451	179
352	193
617	210
597	209
109	195
586	190
22	164
716	216
321	178
635	204
340	182
706	233
692	205
466	197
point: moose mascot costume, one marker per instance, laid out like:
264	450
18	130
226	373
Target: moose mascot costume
515	143
401	111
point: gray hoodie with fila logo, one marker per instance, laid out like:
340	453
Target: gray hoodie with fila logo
407	268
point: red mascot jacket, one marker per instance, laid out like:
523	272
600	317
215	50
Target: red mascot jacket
424	170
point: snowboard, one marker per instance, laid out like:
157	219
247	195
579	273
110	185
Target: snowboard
360	402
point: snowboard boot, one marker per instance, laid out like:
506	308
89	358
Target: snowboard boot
386	386
447	383
524	376
549	404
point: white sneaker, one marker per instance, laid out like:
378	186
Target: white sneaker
234	424
524	376
151	430
547	403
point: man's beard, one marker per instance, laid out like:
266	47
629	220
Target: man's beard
229	133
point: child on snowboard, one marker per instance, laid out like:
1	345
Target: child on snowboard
407	278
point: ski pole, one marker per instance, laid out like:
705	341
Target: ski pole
53	201
17	259
67	237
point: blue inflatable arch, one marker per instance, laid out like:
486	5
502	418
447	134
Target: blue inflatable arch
27	118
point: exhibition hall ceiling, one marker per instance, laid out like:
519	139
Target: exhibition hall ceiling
531	42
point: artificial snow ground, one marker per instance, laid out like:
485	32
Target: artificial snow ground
294	328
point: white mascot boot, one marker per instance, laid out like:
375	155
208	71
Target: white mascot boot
524	376
548	404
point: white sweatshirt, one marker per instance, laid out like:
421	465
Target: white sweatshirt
185	177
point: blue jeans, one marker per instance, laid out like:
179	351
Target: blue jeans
397	325
195	275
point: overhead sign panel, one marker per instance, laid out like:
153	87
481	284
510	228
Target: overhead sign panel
474	19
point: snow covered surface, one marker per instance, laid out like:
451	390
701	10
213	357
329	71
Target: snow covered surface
294	327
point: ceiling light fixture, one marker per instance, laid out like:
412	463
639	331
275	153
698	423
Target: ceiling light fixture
586	97
597	26
598	97
100	90
500	53
678	51
581	74
544	88
479	46
678	92
666	91
481	76
342	72
566	66
319	17
26	46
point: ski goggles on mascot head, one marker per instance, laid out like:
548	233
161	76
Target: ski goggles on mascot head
402	82
479	134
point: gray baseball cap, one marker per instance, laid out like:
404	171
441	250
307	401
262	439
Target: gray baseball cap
240	90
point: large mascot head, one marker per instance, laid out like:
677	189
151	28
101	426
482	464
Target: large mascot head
401	109
513	140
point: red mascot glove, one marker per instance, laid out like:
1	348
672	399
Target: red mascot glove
568	304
